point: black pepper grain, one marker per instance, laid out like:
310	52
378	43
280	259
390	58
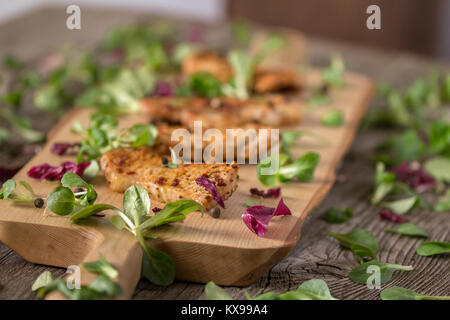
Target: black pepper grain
215	212
164	160
324	88
39	202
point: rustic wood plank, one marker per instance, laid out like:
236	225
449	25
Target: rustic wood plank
316	255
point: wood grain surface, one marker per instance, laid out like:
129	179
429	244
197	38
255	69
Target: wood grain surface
316	255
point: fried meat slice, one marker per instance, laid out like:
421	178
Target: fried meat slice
205	61
252	135
222	112
142	166
264	80
274	81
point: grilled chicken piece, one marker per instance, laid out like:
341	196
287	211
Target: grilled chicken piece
274	81
165	131
222	112
206	62
141	166
264	80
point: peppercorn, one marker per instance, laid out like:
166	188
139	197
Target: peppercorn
39	202
215	212
164	160
324	88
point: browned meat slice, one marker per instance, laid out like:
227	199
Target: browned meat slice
141	166
274	81
206	62
264	80
164	140
223	112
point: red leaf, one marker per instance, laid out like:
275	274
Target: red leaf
257	218
271	193
414	176
48	172
211	187
388	215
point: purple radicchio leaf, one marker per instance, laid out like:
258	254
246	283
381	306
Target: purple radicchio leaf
62	148
257	192
163	89
388	215
271	193
48	172
414	177
118	54
257	218
7	173
211	188
281	209
196	34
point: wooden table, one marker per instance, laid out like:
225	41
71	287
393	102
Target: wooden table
316	255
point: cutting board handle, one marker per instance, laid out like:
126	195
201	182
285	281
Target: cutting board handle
121	250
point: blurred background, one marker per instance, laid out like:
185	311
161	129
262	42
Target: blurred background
418	26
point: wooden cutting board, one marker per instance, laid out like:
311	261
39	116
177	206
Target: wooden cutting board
204	249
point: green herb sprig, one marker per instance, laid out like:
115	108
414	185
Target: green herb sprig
432	248
72	196
409	229
338	215
203	84
443	203
12	99
174	160
243	68
384	183
157	266
331	77
386	186
102	287
399	293
360	274
76	197
402	198
301	169
361	242
102	136
315	289
18	192
288	168
408	108
333	118
120	92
